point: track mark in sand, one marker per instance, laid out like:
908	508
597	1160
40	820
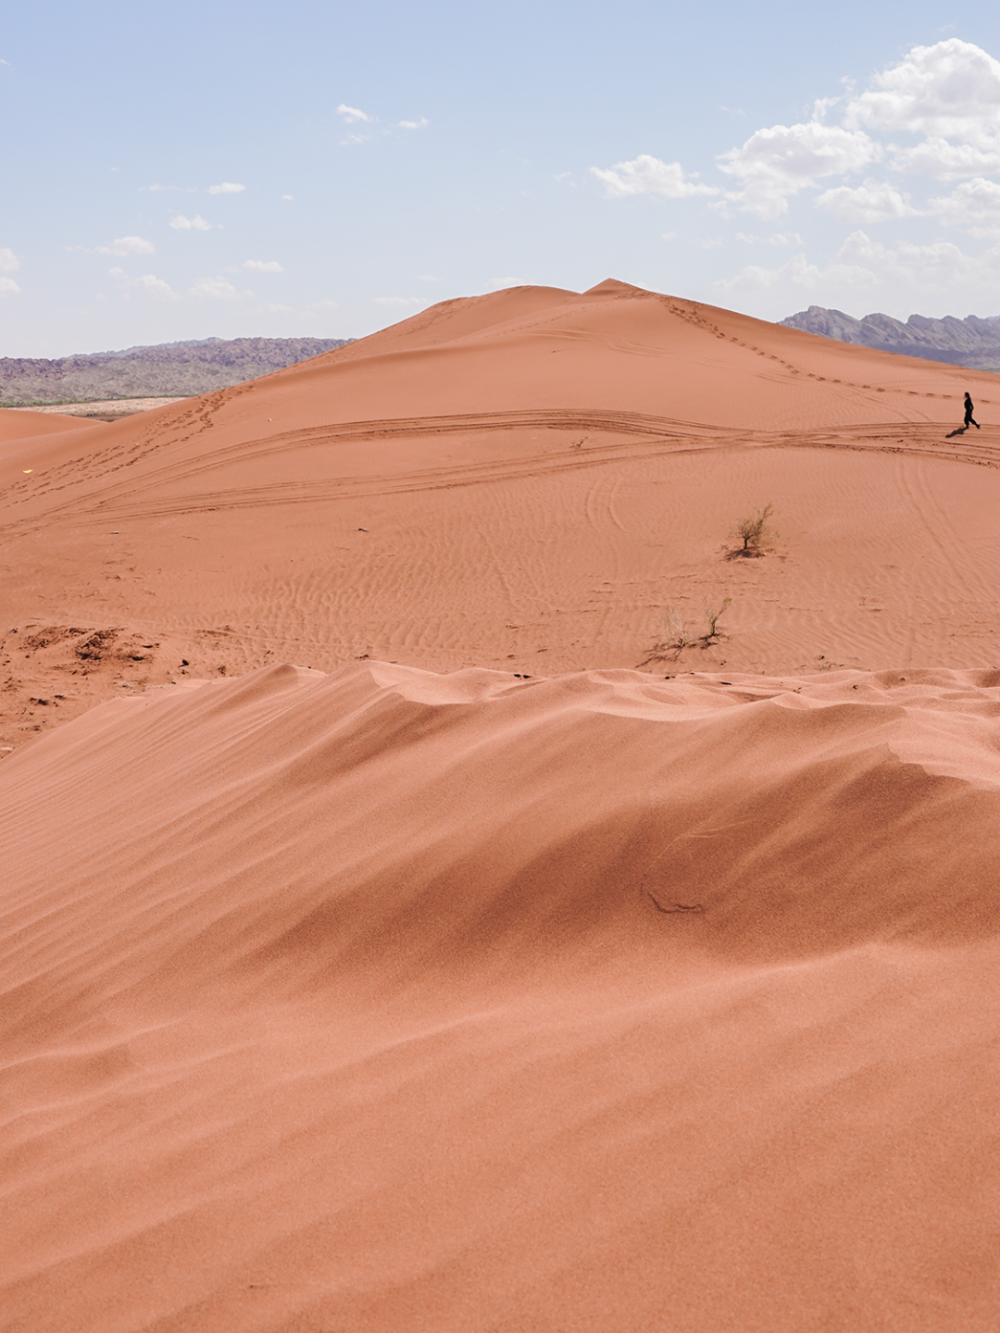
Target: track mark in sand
615	490
639	435
599	503
643	434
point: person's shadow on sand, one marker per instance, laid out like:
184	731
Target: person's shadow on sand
958	431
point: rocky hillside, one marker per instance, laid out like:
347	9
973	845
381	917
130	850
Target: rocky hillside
167	370
972	341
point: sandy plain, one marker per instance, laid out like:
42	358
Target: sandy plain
102	409
445	970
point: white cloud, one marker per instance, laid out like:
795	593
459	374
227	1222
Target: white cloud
211	289
940	265
352	115
288	196
8	287
873	201
648	175
398	300
155	286
197	223
938	268
227	187
948	161
784	159
262	266
974	204
148	283
128	245
214	289
9	262
947	91
798	272
420	124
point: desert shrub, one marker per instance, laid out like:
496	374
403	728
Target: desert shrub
712	618
675	635
753	532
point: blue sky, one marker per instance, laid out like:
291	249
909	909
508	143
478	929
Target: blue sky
325	169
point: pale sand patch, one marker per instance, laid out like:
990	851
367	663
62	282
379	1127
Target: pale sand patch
106	409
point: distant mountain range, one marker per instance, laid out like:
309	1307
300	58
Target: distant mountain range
971	342
166	370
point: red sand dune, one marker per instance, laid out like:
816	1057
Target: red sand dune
521	481
575	999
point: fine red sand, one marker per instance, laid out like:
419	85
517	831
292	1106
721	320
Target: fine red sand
544	995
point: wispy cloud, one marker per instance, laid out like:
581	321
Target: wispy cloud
776	238
8	287
352	115
197	223
226	187
9	262
128	245
263	266
147	282
860	262
168	189
648	175
420	124
205	289
311	311
214	289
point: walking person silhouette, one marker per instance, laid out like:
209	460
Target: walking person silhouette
968	413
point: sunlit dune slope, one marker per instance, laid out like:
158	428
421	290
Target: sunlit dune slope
384	1000
24	425
525	480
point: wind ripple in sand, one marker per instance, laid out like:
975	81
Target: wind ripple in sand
345	1002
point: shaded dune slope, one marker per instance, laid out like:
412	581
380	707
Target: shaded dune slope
385	999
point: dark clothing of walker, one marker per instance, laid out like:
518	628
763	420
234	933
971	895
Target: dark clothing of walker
968	414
